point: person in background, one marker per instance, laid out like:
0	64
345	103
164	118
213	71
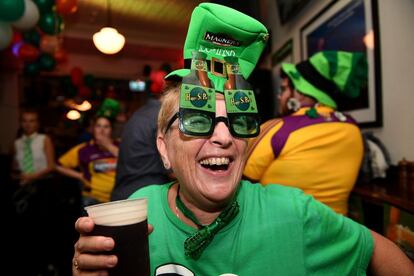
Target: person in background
33	152
32	197
210	221
139	163
313	146
93	163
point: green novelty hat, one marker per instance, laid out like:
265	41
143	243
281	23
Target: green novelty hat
329	74
109	108
220	31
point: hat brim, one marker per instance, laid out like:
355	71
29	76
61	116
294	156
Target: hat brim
305	87
180	73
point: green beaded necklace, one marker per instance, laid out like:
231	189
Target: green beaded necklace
197	242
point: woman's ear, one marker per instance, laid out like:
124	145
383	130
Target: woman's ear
162	149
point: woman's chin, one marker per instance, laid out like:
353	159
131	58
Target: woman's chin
219	191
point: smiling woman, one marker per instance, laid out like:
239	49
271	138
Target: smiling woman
196	165
209	221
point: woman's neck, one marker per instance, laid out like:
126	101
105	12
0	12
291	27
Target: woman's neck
203	217
31	134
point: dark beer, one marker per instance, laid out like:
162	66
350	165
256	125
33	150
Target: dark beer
131	248
126	222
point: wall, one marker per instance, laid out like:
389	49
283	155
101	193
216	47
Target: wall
106	66
396	21
397	38
8	110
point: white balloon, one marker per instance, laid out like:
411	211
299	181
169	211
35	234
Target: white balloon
6	34
29	18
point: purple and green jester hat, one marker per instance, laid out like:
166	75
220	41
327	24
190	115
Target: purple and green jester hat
329	76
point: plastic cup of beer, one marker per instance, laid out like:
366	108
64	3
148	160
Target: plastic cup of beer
126	222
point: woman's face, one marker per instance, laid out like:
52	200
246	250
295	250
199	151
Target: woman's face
283	96
102	128
30	123
208	169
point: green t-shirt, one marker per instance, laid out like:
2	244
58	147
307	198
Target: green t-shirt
278	231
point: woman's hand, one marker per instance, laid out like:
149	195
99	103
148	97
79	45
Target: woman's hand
107	143
90	251
26	178
103	141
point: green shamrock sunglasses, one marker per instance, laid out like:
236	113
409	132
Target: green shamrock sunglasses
198	101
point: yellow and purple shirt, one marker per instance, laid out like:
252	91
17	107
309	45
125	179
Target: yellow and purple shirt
321	156
98	167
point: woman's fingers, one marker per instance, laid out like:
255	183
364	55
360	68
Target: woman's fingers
93	244
84	225
88	258
89	262
90	273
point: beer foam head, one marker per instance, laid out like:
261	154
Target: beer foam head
118	213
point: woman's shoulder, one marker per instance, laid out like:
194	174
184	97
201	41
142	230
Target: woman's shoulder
274	196
78	148
271	189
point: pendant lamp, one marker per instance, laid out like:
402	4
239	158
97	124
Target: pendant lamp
108	40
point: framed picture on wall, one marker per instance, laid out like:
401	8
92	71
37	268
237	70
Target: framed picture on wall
283	54
350	25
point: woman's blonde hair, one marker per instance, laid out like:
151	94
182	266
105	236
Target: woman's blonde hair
169	105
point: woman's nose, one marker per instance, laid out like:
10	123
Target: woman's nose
221	135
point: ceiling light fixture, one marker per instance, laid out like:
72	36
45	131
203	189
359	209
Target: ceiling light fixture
73	115
108	40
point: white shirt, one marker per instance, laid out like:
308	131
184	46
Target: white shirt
38	151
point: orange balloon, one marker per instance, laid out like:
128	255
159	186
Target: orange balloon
61	56
76	75
157	81
84	92
49	44
17	37
110	92
28	52
66	6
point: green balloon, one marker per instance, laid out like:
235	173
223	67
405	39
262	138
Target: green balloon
47	62
32	37
44	5
31	68
89	80
11	10
50	23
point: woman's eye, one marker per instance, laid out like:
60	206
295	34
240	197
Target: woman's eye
240	123
199	121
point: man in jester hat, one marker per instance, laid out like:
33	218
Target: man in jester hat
313	146
209	221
